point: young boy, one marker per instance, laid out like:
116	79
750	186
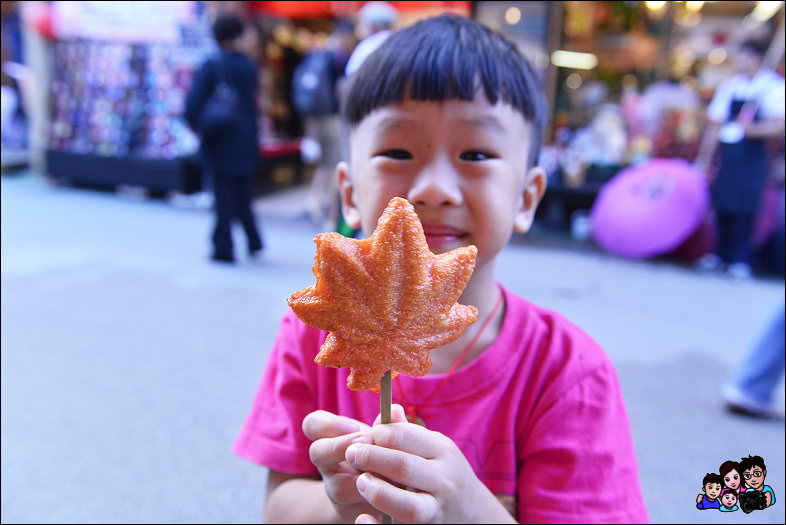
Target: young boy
532	427
712	485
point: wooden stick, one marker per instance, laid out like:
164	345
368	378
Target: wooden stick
385	400
385	397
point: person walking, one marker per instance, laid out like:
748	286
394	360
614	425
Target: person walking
316	97
752	389
229	153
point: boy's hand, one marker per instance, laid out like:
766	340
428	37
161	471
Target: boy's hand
699	498
420	476
331	435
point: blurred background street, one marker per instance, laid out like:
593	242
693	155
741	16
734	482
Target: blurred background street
129	361
133	342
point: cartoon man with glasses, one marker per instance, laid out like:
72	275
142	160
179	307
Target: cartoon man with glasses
753	472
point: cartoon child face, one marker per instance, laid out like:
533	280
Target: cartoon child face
754	477
728	500
732	479
712	490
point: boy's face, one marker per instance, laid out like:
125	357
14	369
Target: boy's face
729	500
463	165
712	490
754	477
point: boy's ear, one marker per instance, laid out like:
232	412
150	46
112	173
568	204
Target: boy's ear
348	207
534	188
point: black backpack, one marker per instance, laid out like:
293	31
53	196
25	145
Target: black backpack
314	85
221	107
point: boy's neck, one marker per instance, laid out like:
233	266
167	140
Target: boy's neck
481	292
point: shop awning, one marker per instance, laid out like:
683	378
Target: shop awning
318	9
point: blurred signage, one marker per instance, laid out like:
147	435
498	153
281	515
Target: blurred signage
345	8
136	22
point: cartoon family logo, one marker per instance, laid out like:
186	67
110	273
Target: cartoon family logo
738	486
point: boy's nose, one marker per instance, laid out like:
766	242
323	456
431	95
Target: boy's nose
436	185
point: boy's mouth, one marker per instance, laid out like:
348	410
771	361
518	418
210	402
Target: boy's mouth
440	236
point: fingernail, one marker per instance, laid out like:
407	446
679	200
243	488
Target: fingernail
363	482
364	518
351	454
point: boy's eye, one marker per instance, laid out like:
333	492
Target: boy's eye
398	154
474	155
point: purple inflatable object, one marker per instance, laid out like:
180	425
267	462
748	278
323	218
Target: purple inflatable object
650	209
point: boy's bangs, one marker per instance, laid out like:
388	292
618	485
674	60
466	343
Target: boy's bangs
445	58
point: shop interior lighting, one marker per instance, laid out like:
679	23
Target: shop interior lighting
512	15
694	6
763	12
573	81
655	5
717	56
688	18
573	59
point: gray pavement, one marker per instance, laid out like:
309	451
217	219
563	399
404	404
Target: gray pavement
129	361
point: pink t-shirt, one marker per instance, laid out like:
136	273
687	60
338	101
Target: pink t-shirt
539	415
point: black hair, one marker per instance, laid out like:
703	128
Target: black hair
750	462
756	47
227	27
711	477
732	491
447	57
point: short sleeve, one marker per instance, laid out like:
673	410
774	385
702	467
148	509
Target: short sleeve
773	103
718	108
272	434
578	461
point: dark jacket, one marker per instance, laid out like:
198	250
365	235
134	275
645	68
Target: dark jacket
235	152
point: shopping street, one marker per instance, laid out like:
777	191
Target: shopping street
129	361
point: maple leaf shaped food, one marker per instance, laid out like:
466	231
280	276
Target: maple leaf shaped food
386	300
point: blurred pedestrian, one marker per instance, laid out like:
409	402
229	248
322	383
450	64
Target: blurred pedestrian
230	152
375	24
315	95
746	110
751	391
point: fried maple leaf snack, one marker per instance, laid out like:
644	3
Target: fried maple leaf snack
386	300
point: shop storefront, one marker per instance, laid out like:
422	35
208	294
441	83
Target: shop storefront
631	83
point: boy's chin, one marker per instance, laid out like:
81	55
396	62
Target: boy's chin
444	243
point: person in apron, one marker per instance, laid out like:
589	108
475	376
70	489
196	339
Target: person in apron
744	112
736	193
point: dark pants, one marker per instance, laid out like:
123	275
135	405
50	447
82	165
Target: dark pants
734	237
233	201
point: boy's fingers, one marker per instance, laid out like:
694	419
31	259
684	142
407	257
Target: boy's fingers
410	438
402	505
326	453
322	424
399	467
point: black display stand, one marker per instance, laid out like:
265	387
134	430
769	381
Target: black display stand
116	109
162	175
